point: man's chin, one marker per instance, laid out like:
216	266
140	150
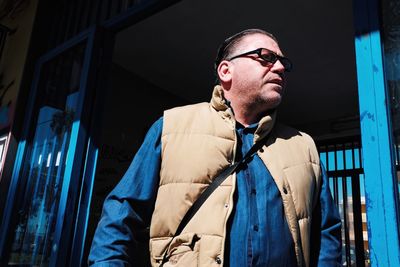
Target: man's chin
271	103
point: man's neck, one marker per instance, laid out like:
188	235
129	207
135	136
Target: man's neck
247	115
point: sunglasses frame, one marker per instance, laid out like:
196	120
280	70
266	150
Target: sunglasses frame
275	57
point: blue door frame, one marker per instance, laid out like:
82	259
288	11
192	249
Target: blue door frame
74	160
380	177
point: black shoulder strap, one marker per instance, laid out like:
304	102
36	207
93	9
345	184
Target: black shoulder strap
211	188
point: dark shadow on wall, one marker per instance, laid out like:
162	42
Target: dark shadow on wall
131	106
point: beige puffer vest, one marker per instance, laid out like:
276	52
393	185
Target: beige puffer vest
198	142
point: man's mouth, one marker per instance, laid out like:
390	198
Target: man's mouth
277	81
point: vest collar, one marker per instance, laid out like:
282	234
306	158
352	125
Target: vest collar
219	103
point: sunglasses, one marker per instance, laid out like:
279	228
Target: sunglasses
269	57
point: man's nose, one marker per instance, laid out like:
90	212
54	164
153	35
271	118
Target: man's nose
278	67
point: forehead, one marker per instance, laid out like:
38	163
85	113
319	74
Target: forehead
254	41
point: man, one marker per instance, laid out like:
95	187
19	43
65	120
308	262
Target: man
275	210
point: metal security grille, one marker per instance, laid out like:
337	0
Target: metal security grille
343	162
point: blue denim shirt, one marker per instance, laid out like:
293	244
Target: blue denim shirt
258	234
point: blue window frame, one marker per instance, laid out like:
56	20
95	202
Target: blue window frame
55	160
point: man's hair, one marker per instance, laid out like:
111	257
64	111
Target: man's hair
228	47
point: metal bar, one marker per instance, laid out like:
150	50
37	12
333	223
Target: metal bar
336	190
357	215
345	172
335	156
346	222
327	159
381	199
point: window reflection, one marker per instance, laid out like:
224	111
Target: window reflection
44	163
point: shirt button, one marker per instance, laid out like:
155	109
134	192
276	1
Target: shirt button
218	260
255	227
226	205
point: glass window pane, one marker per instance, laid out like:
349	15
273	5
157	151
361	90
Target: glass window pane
44	164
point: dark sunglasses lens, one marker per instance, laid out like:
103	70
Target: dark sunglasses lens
268	56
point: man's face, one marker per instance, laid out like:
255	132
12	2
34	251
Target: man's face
255	81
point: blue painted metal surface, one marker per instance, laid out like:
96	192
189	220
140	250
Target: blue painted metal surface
381	200
84	205
74	165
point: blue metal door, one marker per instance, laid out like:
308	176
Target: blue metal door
42	204
381	186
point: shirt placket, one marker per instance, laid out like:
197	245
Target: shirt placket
247	138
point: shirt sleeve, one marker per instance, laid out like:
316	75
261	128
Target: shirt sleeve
326	245
121	237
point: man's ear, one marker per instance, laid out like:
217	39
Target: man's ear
224	71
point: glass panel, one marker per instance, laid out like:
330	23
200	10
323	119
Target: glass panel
391	43
44	163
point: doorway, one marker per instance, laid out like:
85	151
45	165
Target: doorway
167	60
